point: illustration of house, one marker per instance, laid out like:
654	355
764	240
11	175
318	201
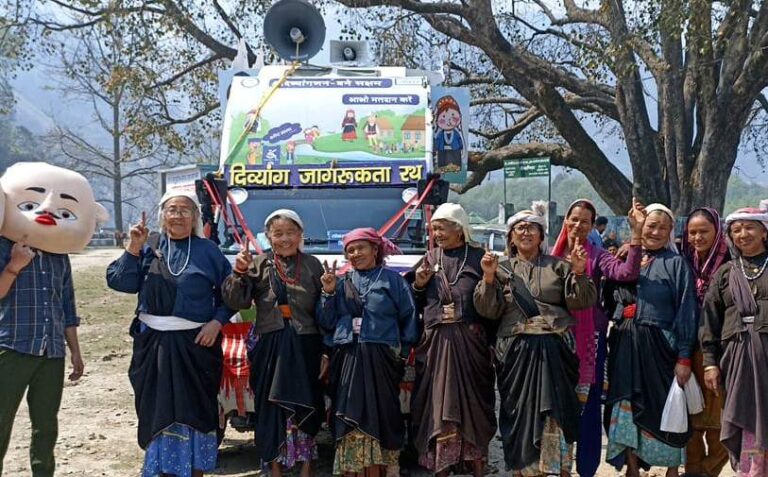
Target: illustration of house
413	132
386	131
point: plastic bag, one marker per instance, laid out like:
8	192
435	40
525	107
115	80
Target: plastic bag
674	418
693	396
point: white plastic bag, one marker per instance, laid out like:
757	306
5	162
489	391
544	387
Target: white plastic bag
693	396
674	418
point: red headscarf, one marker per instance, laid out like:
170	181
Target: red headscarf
385	246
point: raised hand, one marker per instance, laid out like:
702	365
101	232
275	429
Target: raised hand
424	273
578	258
138	235
489	263
637	215
21	255
243	261
328	279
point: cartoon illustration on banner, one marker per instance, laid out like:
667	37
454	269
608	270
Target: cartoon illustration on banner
450	110
360	123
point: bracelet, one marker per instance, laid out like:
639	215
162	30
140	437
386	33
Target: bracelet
328	295
241	272
684	361
417	289
710	368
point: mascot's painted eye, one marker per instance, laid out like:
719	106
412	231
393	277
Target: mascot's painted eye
66	214
28	206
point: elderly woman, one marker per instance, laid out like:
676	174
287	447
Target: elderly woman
591	323
177	360
285	287
453	402
535	297
372	317
734	340
650	347
705	248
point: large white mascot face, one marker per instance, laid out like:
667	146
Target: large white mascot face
49	208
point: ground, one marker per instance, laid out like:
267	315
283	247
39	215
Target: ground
97	435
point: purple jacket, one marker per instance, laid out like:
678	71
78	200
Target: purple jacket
606	265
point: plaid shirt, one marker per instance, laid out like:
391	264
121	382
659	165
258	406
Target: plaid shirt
39	305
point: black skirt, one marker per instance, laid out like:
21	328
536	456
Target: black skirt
284	379
641	367
174	381
537	377
365	393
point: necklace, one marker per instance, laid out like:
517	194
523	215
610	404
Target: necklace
461	268
362	293
758	273
282	273
168	257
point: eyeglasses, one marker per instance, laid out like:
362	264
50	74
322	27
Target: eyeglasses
176	212
523	229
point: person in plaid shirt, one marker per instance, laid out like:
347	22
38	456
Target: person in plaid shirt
49	212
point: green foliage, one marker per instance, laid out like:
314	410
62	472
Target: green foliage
568	187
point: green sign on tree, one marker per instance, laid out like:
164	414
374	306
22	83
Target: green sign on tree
526	167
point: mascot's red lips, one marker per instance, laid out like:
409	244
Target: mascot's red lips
45	219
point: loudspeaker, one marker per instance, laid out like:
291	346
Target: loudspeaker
349	52
295	29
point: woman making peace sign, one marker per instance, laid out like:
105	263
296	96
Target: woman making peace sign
372	317
534	296
285	287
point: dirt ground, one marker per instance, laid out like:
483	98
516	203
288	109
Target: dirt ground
97	435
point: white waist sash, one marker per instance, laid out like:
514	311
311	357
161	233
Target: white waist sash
168	323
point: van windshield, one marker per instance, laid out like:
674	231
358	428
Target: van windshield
330	213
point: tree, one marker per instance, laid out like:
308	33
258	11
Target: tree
98	69
554	67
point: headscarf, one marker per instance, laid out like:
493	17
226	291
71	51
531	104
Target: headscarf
286	214
197	228
531	217
703	270
456	214
584	331
663	208
737	282
369	234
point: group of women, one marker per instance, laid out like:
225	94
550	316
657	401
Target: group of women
534	324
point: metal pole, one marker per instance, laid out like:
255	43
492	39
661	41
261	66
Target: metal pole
549	195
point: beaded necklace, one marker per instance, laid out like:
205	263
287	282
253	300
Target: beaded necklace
282	273
461	268
168	257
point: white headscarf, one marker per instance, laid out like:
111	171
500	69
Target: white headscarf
287	214
663	208
747	213
530	217
456	214
197	228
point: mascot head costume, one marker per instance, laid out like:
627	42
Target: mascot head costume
48	207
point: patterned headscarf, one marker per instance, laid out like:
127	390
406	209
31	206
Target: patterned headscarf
704	269
530	217
369	234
